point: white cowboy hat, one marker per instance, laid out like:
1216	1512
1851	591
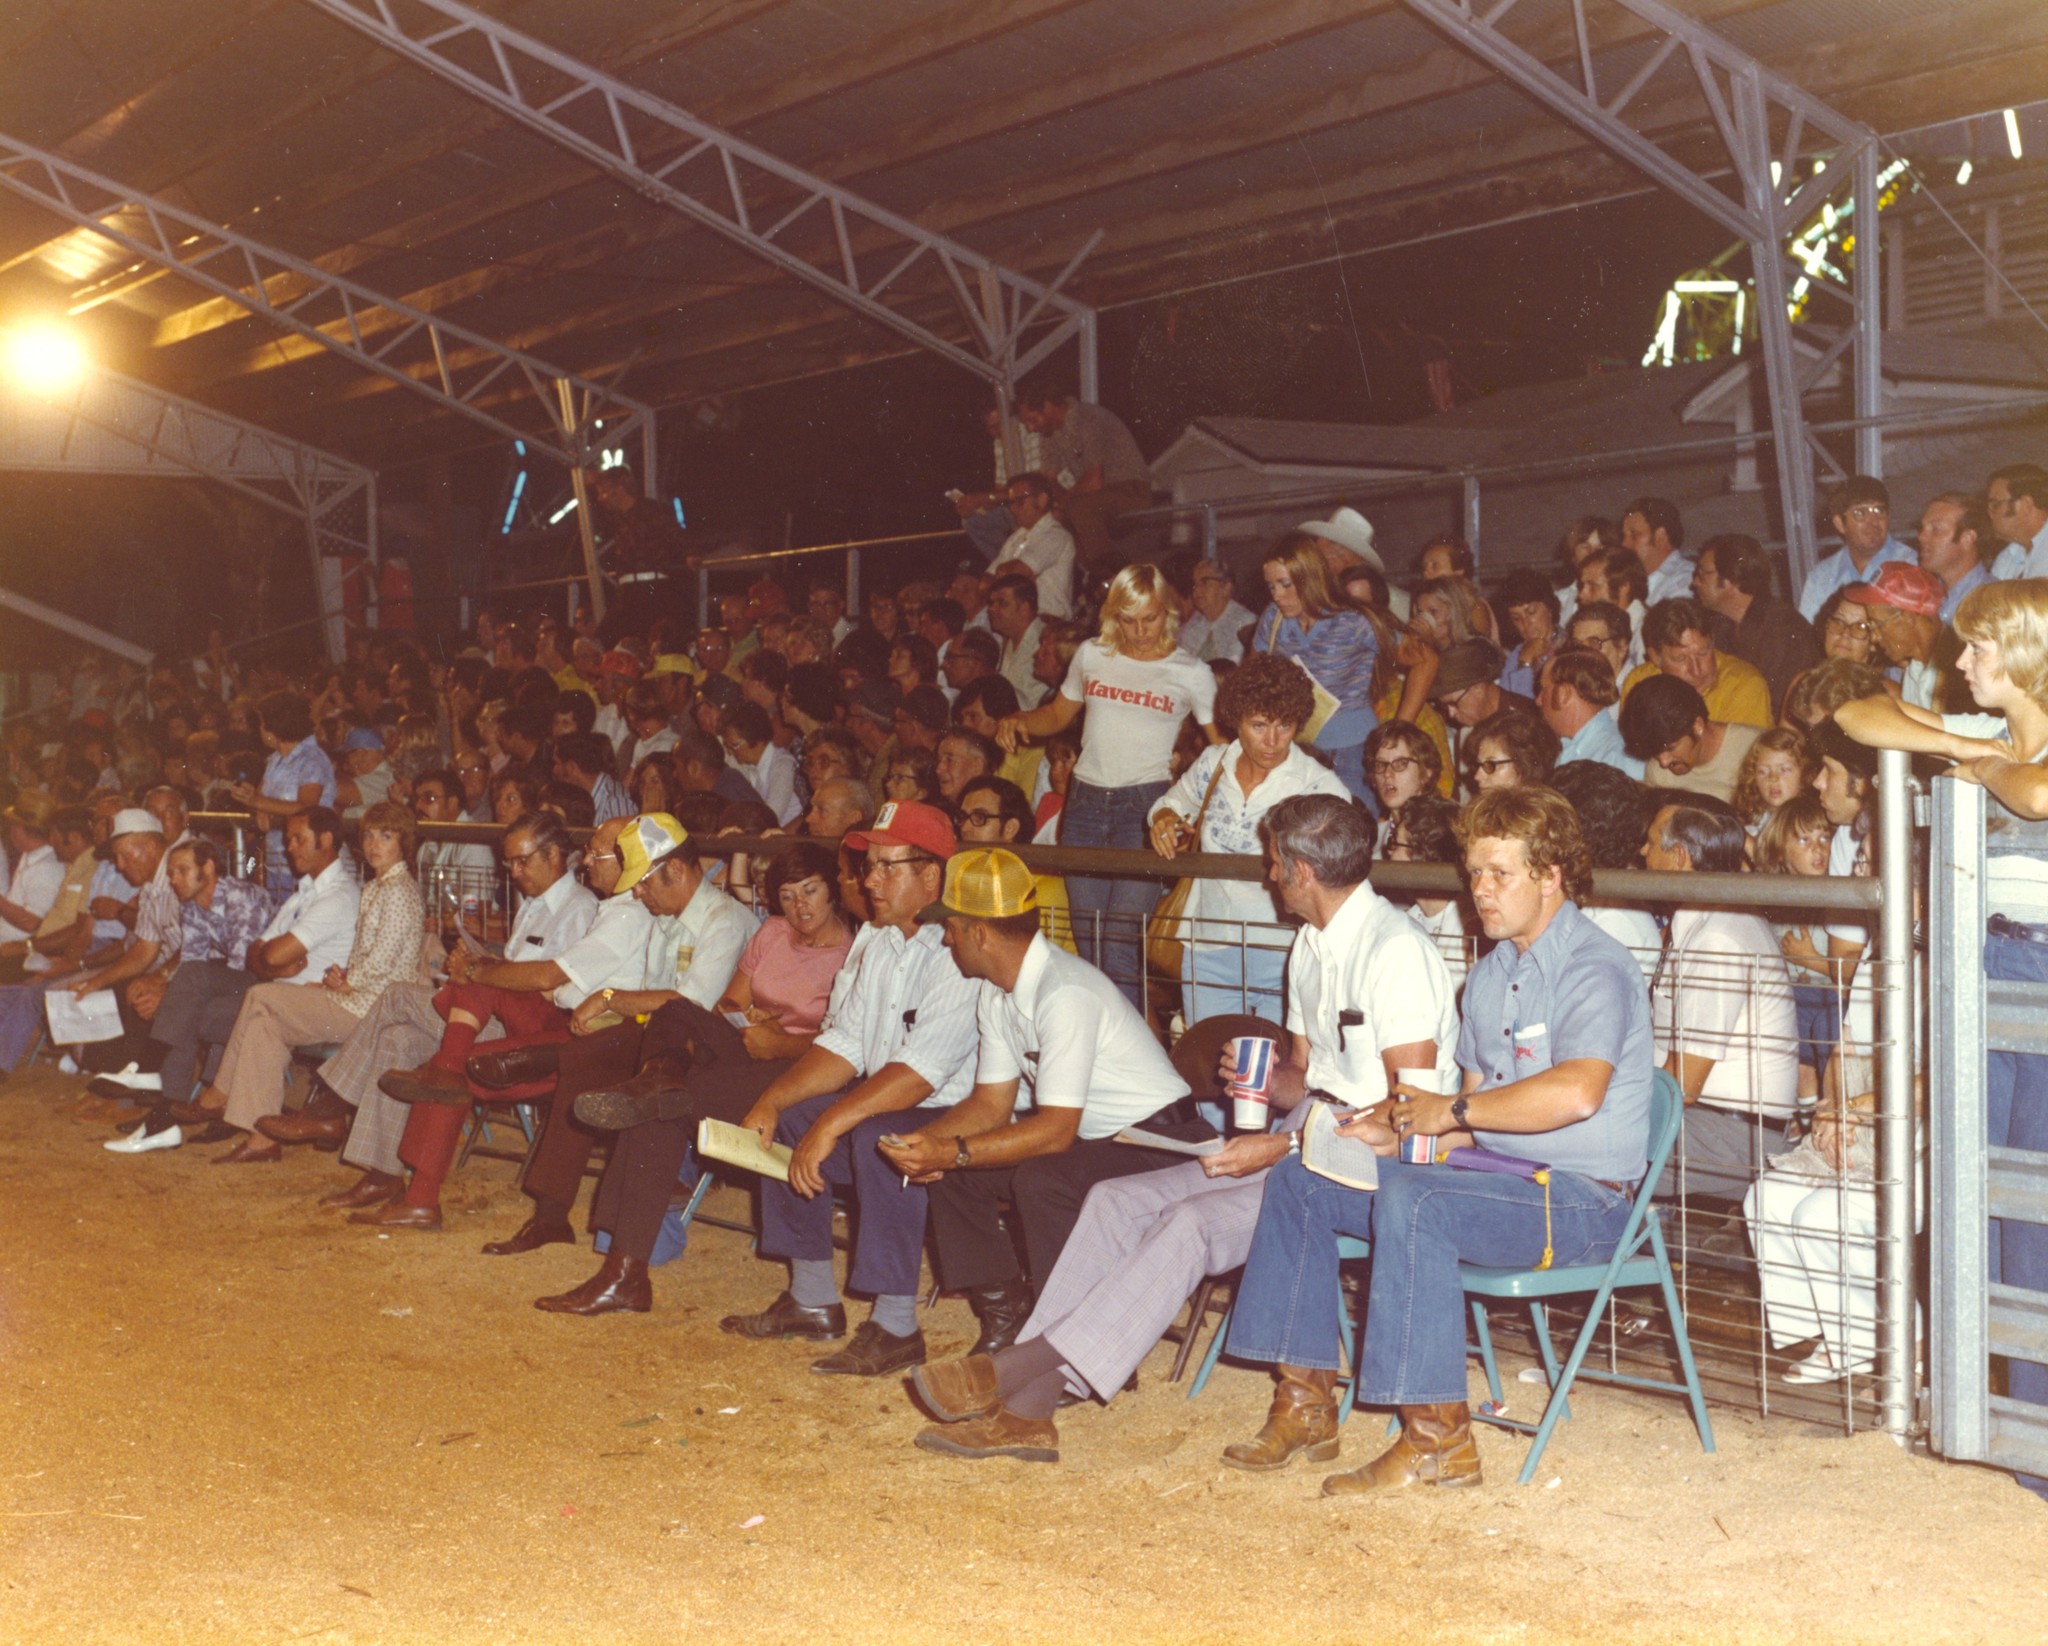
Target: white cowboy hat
1348	529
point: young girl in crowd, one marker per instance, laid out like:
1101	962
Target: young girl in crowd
1401	762
1794	839
1778	767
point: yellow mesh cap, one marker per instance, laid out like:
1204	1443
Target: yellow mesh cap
985	883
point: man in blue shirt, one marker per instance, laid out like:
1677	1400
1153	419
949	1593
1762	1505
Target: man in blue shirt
1861	511
1556	1056
1955	535
1576	699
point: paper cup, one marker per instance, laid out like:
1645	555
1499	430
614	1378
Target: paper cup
1416	1149
1251	1082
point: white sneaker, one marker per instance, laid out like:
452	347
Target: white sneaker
142	1140
67	1064
136	1081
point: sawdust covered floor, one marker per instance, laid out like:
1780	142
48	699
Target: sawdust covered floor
232	1417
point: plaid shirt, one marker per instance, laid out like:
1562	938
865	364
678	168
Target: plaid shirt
241	910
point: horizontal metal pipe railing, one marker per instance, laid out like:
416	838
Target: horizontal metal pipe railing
1841	893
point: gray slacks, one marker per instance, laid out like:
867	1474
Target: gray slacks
1141	1246
198	1010
1723	1151
401	1031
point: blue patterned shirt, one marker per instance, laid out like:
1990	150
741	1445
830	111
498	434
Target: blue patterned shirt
1339	652
241	910
283	776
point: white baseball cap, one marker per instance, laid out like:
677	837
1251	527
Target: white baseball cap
134	820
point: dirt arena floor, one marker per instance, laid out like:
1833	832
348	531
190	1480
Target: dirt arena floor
232	1417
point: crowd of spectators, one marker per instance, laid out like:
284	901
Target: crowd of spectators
934	1030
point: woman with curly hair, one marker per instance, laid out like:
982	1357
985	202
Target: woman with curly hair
1236	951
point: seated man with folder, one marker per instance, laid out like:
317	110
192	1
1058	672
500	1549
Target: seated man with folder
1369	1000
898	1035
1555	1048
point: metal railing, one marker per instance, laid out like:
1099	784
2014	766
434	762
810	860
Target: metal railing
1719	1282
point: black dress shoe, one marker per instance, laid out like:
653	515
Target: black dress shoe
531	1235
1002	1311
620	1283
873	1353
786	1317
655	1093
514	1066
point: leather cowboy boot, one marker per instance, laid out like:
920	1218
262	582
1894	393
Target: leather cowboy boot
1435	1448
620	1283
657	1092
1303	1419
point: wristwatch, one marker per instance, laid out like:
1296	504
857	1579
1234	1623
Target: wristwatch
1458	1113
960	1160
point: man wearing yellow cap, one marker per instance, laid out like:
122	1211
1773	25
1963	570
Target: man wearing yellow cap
1065	1063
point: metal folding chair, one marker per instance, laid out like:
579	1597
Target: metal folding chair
1349	1248
1640	1259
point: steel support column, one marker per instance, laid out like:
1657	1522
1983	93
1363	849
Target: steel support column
1898	1060
1868	318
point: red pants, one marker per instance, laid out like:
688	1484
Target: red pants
434	1130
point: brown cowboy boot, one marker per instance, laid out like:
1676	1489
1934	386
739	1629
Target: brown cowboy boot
1303	1419
1435	1449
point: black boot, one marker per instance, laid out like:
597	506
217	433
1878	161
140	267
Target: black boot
655	1093
1002	1310
514	1066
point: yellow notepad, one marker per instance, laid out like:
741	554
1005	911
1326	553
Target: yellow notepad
736	1146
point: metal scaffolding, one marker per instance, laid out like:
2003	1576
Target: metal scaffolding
814	230
1791	157
111	424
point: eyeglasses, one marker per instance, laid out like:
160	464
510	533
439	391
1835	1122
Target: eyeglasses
979	818
900	862
1498	764
512	862
1999	505
1397	847
1393	768
1866	511
1844	626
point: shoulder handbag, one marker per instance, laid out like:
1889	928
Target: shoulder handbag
1163	942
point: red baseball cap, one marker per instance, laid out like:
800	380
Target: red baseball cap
618	662
1902	585
909	823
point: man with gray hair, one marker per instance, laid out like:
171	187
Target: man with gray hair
840	805
1370	1001
1214	631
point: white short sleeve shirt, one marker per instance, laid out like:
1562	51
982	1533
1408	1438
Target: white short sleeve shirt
611	955
1723	993
321	914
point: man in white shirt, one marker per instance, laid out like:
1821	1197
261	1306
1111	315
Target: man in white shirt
32	886
515	991
1860	509
1214	631
694	935
1064	1064
1372	1001
1653	532
2017	499
1904	604
898	1038
770	771
1013	618
1722	1013
315	929
1040	547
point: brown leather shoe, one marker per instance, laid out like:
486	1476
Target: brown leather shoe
305	1127
1435	1448
243	1155
1303	1420
786	1317
515	1065
371	1189
194	1114
429	1083
397	1214
655	1093
955	1390
537	1231
620	1283
1000	1433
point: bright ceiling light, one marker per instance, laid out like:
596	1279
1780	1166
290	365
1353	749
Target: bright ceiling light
1963	173
43	358
2012	133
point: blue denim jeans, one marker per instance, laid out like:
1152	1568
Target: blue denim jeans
1423	1221
21	1020
1109	915
2016	1095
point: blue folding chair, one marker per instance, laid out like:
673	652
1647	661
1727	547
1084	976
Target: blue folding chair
1640	1259
1348	1248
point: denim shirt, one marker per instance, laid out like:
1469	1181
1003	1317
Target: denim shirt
1575	993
